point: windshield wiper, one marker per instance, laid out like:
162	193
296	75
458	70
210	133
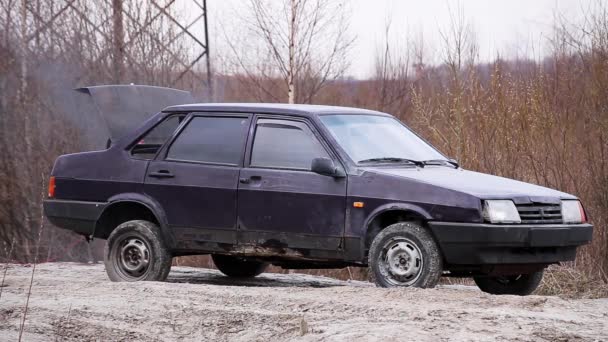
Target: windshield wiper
441	162
392	160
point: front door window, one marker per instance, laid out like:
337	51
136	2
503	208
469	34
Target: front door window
285	144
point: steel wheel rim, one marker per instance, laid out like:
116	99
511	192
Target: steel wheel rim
133	257
401	262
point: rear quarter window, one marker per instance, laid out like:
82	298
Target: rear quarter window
151	142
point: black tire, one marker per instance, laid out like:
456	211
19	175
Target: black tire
414	252
521	285
136	251
238	267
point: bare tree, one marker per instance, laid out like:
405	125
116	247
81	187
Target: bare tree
47	48
302	43
392	75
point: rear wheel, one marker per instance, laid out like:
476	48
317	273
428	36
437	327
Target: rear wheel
405	254
521	285
136	251
238	267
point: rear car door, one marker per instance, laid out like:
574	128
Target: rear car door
281	203
195	179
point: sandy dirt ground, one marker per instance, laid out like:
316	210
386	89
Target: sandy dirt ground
77	302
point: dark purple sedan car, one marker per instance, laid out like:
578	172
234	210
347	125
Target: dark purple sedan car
304	186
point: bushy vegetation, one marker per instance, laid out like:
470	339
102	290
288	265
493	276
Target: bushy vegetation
543	120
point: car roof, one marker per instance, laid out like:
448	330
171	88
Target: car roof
271	108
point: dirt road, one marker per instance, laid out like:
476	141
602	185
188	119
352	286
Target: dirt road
77	302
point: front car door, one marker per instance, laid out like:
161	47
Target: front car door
195	178
281	203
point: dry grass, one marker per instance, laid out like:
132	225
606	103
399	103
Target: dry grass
563	281
570	282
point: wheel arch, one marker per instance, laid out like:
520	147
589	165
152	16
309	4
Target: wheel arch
131	206
389	214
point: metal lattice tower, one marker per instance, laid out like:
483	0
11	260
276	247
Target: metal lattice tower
117	44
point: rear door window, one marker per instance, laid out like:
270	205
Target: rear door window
214	140
285	144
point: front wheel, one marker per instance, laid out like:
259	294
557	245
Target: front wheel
405	254
521	285
238	267
136	251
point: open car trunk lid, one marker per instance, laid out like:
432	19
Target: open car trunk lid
122	108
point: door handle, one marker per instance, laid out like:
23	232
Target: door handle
254	179
161	174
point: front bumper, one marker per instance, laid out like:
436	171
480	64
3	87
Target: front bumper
79	216
492	244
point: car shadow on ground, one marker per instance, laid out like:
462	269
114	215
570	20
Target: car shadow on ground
214	277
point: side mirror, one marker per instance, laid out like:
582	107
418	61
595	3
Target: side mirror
325	166
109	143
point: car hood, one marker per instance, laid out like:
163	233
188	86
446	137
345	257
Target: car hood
477	184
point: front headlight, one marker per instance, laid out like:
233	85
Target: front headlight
573	212
500	211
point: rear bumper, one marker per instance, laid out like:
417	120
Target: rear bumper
491	244
79	216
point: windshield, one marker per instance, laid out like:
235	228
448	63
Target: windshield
372	137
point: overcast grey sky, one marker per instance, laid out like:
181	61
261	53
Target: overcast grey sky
508	27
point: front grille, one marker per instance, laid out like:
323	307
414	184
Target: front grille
540	213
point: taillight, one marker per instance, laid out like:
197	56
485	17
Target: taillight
52	187
583	215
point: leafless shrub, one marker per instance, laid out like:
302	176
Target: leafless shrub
8	257
543	121
29	291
